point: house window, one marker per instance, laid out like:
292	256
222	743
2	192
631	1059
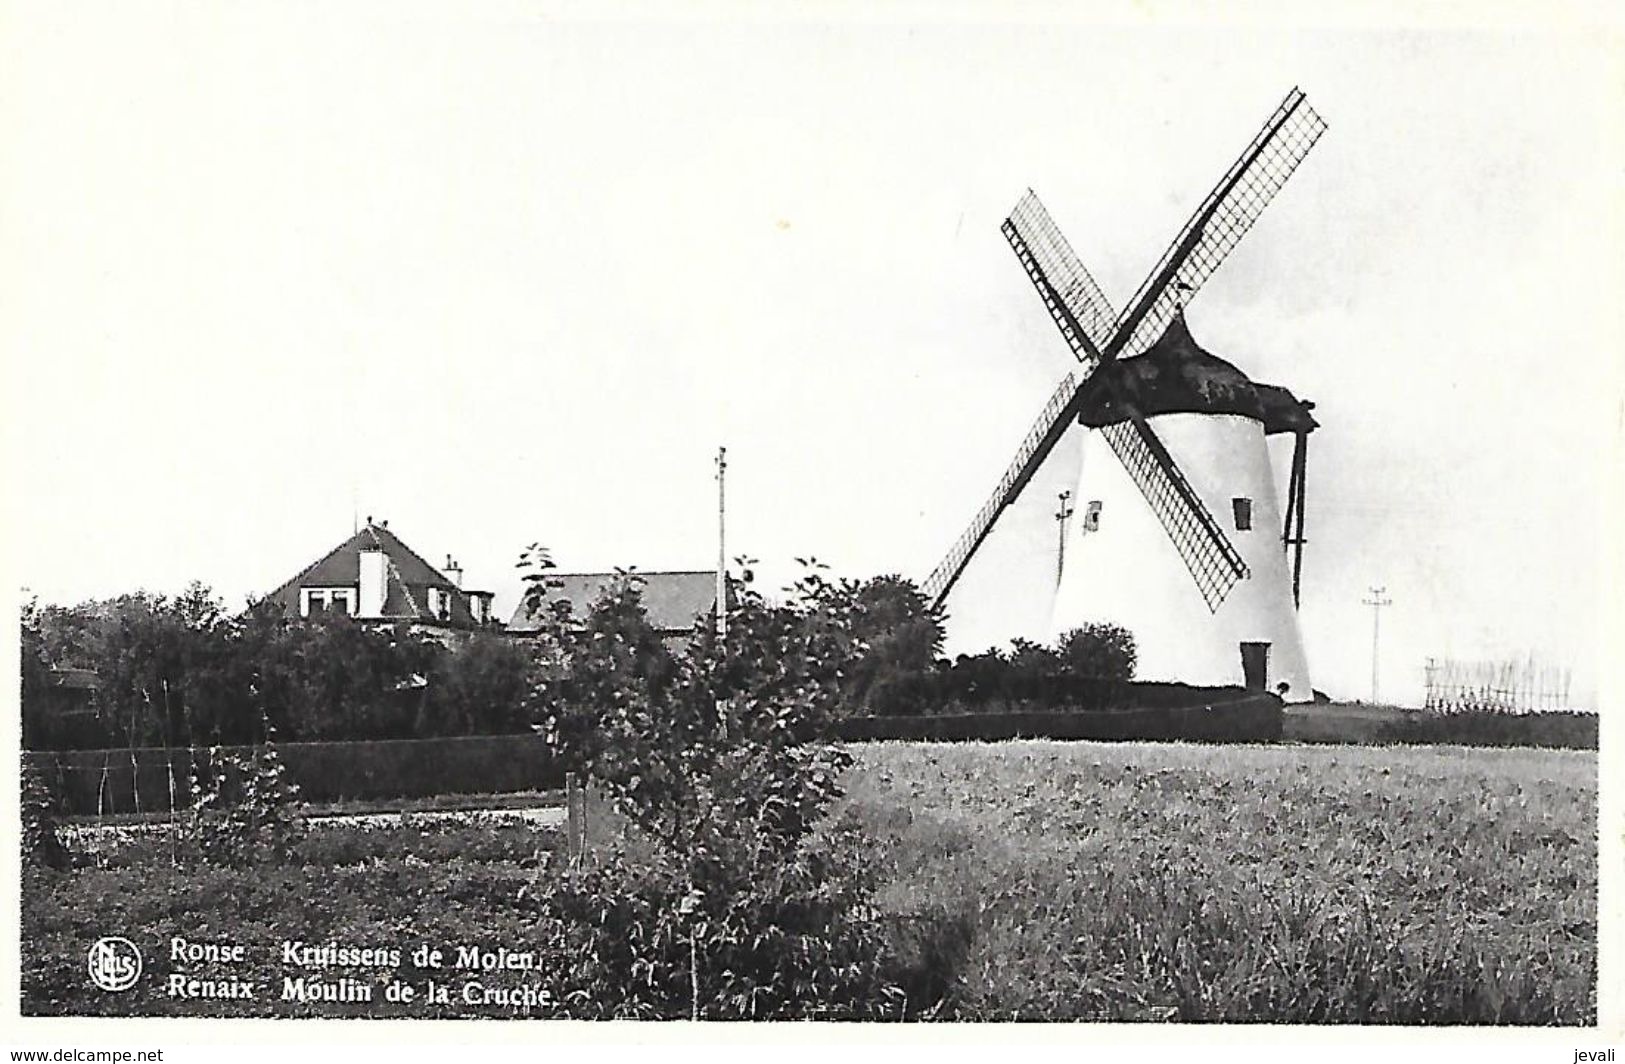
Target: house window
1091	516
1244	513
316	601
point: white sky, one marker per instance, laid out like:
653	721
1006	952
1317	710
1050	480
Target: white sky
503	274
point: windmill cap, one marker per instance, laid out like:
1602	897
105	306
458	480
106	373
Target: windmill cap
1176	375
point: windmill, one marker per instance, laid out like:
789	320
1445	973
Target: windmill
1161	405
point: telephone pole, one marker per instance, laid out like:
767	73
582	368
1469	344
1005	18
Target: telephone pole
1061	516
722	549
1376	599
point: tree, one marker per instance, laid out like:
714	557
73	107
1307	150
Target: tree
901	635
715	755
1099	651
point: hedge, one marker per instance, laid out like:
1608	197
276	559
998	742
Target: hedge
1255	718
92	781
1572	731
999	688
1388	725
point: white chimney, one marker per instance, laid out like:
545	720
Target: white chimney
373	583
454	571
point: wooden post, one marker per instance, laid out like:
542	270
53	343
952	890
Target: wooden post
573	818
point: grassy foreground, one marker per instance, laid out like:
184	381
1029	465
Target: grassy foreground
1242	883
1020	880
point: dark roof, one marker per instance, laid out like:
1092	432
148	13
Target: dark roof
673	601
1176	375
408	579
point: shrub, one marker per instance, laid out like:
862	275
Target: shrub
1100	651
244	810
41	842
715	758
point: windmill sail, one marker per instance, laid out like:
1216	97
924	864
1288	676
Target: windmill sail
1050	425
1081	311
1218	224
1213	561
1086	317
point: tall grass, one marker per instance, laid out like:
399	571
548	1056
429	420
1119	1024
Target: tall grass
1032	880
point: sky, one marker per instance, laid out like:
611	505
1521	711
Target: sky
512	273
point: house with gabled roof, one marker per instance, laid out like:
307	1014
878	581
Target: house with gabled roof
673	601
373	576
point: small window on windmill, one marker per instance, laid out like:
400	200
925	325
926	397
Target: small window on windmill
1244	513
1091	516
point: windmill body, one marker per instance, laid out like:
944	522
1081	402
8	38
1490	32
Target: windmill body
1121	568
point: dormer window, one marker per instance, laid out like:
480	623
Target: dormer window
315	601
1244	513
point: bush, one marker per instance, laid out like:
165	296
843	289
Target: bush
715	757
1099	651
40	814
244	810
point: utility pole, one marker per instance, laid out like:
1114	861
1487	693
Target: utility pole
1376	599
1061	516
722	549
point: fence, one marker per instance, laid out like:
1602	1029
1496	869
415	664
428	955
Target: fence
151	779
1511	686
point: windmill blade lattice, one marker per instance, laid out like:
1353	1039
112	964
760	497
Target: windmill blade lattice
1095	335
1080	309
1213	561
1085	317
1050	425
1218	224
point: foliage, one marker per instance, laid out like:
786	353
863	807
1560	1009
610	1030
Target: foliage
1100	651
1088	668
1236	718
42	841
244	810
713	746
1373	724
901	634
182	672
713	755
1011	881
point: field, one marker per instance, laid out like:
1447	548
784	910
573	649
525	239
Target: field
1018	880
1245	883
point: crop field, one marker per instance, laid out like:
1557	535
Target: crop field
1017	880
1243	883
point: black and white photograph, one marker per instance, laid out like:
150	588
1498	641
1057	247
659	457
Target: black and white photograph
670	516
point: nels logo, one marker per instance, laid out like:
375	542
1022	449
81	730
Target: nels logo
115	963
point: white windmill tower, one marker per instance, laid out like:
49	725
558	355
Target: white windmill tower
1209	602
